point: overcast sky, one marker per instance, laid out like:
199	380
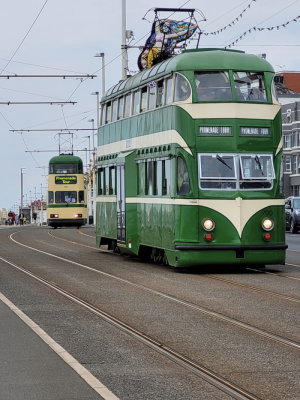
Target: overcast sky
62	37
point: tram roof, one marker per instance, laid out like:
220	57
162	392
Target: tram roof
65	159
193	60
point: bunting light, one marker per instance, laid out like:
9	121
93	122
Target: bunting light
231	23
255	28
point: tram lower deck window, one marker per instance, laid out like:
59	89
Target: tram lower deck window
236	171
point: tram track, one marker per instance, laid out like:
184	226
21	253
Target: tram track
214	379
210	276
250	328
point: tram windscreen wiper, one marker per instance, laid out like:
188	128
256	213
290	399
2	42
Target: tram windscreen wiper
221	159
256	158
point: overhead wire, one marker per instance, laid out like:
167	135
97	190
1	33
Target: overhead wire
24	38
10	60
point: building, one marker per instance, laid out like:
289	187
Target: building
291	148
288	91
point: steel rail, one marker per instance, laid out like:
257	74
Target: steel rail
244	285
206	374
232	321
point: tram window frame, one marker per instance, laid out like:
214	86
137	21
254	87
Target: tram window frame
213	86
50	197
127	105
256	170
136	100
114	111
215	175
183	178
160	93
250	86
103	112
120	111
81	196
106	181
152	92
241	181
70	168
144	99
108	112
100	181
141	166
151	181
112	180
166	176
182	88
169	90
62	195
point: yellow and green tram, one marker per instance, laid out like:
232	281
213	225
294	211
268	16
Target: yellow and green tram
189	162
66	204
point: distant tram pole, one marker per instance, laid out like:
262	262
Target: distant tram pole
124	46
21	208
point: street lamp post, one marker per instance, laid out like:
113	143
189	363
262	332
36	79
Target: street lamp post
93	133
21	208
102	55
98	109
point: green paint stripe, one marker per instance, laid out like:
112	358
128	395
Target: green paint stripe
67	205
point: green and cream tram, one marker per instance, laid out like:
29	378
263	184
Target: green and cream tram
66	204
189	162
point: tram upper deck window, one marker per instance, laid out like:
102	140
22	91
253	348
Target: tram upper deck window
144	99
182	89
136	102
120	107
127	106
213	86
169	90
249	86
65	169
152	94
159	93
114	110
108	113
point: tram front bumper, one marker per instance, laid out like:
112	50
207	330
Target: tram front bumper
192	255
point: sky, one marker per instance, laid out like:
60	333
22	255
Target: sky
56	37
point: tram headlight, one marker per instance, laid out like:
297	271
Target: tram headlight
78	215
208	224
54	215
267	224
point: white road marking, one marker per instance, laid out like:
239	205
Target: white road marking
91	380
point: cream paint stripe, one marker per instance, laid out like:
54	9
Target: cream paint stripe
280	147
106	199
237	211
93	382
232	110
141	142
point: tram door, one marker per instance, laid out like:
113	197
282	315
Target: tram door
121	203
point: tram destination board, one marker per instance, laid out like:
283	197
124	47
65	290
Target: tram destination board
66	180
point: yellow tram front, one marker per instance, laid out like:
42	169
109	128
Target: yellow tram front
66	192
